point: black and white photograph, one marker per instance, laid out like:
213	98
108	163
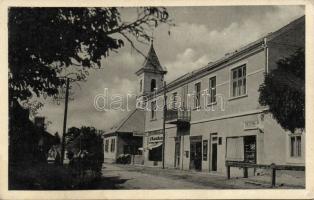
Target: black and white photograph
160	97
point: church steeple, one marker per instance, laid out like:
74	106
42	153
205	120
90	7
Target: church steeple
151	62
151	74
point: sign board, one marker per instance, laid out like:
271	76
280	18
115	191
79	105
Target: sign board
155	138
251	124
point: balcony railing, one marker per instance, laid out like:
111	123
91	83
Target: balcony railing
174	116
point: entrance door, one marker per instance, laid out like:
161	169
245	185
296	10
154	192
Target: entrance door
214	152
177	155
214	157
196	155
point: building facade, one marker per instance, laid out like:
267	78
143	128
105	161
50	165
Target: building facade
213	113
125	138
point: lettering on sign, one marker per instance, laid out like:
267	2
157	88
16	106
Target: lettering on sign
155	138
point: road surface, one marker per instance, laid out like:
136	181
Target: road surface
138	177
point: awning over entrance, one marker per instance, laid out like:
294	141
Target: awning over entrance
151	146
154	145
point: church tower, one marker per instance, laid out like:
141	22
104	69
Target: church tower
150	75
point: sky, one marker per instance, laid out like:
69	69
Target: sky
200	35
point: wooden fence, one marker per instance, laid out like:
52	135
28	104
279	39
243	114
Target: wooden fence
272	166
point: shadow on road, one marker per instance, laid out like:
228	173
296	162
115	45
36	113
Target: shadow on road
104	183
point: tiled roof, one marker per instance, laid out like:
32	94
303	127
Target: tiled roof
133	122
151	62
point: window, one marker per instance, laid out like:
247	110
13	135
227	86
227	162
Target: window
241	149
112	146
249	149
174	100
153	110
106	145
205	149
153	85
197	98
295	146
141	85
212	90
235	149
238	81
220	140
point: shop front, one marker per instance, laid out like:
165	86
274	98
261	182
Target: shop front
153	149
196	153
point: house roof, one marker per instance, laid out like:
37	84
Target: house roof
151	62
132	123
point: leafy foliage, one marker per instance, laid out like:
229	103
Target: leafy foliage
284	91
43	42
84	138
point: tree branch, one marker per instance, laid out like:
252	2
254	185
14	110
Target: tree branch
132	44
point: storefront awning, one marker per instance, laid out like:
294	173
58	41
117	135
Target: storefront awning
154	145
151	146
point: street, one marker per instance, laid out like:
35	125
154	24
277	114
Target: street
139	177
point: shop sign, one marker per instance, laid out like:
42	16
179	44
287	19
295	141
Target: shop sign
252	124
155	138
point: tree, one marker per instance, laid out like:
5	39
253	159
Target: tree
57	138
72	133
88	140
44	42
283	91
84	138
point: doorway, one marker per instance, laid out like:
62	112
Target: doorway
196	154
214	152
177	155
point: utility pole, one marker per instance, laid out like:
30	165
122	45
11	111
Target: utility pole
164	126
65	120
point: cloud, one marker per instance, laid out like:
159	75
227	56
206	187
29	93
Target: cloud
185	62
194	42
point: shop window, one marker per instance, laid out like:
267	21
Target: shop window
106	145
197	98
155	154
250	149
235	149
205	149
241	149
295	146
112	145
238	81
212	90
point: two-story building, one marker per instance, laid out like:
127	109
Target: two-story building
213	114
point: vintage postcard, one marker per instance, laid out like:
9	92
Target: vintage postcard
156	99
